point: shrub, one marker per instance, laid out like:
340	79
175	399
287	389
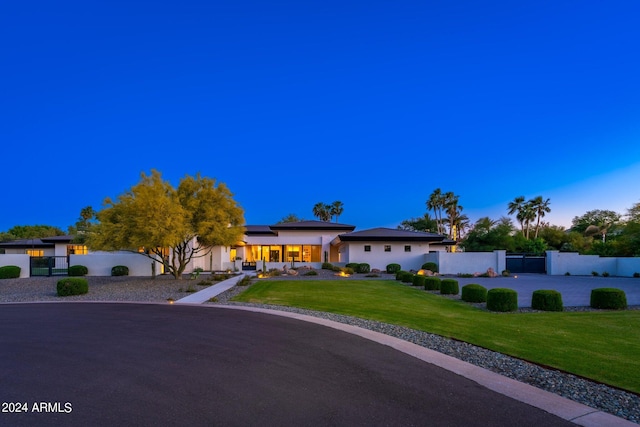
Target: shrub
547	300
465	275
363	267
474	293
72	286
608	298
353	265
10	272
449	287
419	280
408	278
78	270
432	283
502	299
327	266
506	273
400	274
431	266
245	281
346	270
311	273
393	268
567	274
605	274
636	274
595	273
120	270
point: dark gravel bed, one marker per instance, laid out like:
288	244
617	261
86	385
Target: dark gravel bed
599	396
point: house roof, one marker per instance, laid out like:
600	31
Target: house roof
382	234
45	242
313	225
256	230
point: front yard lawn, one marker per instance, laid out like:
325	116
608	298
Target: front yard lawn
601	345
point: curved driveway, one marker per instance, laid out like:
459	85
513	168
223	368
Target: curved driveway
104	364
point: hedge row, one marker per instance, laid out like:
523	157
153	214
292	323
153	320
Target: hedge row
10	272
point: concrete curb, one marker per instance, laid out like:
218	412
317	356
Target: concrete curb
557	405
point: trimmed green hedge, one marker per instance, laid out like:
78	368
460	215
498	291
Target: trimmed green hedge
363	267
78	270
401	274
431	266
393	268
547	300
72	286
432	283
449	287
10	272
120	270
608	298
419	280
474	293
502	299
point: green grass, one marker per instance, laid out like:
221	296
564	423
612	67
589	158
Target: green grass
603	346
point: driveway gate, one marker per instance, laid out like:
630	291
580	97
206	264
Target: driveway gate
49	265
526	263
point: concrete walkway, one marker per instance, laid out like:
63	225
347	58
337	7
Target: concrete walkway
211	292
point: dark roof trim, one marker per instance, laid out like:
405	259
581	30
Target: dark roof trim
392	235
312	225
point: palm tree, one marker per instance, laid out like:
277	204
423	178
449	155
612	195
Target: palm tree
436	203
526	215
453	211
336	209
541	207
516	207
322	211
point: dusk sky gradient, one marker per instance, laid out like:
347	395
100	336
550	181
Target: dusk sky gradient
290	103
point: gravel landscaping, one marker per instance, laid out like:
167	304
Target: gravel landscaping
161	289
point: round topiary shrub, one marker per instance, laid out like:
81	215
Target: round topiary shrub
608	298
327	266
474	293
502	299
400	274
419	280
352	265
72	286
78	270
120	270
393	268
407	278
432	283
431	266
363	267
547	300
449	287
10	272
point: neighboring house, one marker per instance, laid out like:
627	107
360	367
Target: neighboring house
46	246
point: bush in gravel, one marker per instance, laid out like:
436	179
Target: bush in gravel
431	266
432	283
449	287
419	280
636	274
78	270
72	286
311	273
608	298
502	299
393	268
245	281
474	293
363	267
400	274
408	278
120	270
10	272
353	265
345	270
547	300
327	266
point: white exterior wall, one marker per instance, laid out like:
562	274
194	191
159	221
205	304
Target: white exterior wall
467	262
295	237
378	258
559	263
100	263
19	260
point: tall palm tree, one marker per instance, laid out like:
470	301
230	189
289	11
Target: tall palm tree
541	208
436	203
336	209
526	215
453	211
516	207
322	211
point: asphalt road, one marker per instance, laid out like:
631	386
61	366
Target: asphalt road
100	364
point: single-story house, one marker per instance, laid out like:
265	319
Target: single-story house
46	246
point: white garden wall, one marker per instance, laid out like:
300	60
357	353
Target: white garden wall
559	263
467	262
100	263
20	260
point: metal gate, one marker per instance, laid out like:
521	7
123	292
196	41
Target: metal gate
526	263
49	265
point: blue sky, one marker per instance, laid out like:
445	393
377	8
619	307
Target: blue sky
372	103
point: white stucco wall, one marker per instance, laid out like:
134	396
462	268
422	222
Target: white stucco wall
559	263
100	263
467	262
379	259
20	260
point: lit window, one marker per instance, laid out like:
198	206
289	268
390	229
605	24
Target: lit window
35	252
387	248
76	250
367	248
407	248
